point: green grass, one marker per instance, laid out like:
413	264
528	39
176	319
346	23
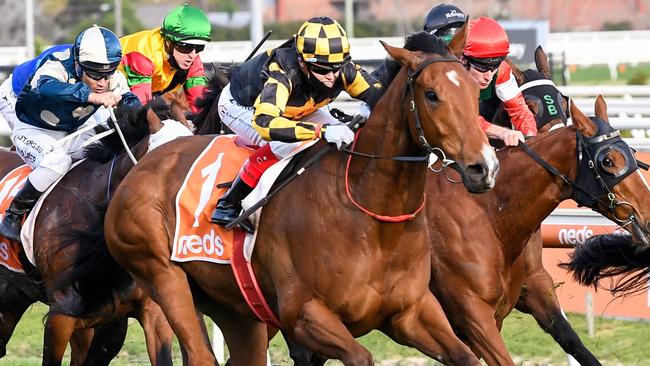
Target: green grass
615	343
599	74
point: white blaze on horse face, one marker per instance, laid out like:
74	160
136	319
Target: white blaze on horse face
492	163
645	182
453	77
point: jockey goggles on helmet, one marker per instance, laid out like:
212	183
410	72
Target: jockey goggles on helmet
187	48
485	64
325	69
98	75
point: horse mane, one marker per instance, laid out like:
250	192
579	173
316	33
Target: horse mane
216	82
607	256
425	42
134	125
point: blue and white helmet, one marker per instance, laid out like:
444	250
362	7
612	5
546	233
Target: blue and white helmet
97	49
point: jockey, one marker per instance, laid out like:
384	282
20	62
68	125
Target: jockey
159	60
444	21
486	48
287	104
12	86
62	94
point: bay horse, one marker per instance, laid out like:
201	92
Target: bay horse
73	207
329	271
537	295
479	259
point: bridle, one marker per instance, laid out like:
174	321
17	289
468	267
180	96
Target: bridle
593	185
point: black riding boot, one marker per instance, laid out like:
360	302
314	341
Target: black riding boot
229	206
23	203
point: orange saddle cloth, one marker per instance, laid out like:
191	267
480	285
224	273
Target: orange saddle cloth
196	238
9	186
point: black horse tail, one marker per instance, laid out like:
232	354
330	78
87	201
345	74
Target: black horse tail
207	121
93	277
614	257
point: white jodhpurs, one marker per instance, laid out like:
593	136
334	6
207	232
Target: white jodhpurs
8	102
239	119
43	151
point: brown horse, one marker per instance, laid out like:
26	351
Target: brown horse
360	273
479	259
72	208
538	293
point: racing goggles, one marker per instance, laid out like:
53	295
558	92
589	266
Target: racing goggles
325	69
446	33
186	48
485	64
96	75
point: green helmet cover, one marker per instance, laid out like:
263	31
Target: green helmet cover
186	23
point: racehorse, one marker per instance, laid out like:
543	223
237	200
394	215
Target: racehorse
479	258
537	292
73	206
328	270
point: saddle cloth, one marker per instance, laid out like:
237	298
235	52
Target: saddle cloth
9	187
195	237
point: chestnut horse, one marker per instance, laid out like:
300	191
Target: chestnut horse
329	271
538	293
479	259
73	207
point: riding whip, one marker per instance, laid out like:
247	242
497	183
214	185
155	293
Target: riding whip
357	122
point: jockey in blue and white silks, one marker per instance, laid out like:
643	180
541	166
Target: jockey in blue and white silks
64	92
14	84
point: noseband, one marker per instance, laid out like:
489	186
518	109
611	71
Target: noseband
593	185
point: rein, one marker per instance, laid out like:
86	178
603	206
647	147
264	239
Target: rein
582	146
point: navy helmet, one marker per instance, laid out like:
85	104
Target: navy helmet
97	49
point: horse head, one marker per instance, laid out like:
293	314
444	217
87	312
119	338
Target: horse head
440	101
609	176
549	106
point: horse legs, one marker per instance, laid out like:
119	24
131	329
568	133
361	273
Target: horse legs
107	342
247	339
80	342
158	334
540	301
171	290
8	321
320	330
58	330
425	327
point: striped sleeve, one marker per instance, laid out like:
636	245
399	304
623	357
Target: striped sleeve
195	83
361	85
269	106
138	70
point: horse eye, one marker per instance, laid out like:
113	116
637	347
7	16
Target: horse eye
431	96
608	162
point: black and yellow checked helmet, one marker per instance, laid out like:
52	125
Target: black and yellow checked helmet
322	40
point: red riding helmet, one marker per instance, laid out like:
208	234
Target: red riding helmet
486	39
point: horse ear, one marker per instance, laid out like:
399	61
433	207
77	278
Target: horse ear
601	108
457	43
154	122
519	76
582	122
403	56
541	61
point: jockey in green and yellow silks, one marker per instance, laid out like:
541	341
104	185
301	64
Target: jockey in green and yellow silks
159	60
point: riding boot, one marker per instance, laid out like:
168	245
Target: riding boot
229	206
23	202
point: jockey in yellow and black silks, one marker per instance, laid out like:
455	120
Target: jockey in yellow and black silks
159	60
278	99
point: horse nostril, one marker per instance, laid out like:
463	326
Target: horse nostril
647	226
476	169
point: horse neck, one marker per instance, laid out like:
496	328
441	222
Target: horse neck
122	164
526	193
386	133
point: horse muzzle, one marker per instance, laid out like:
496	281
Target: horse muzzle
479	177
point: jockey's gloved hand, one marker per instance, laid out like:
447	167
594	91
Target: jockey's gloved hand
338	134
